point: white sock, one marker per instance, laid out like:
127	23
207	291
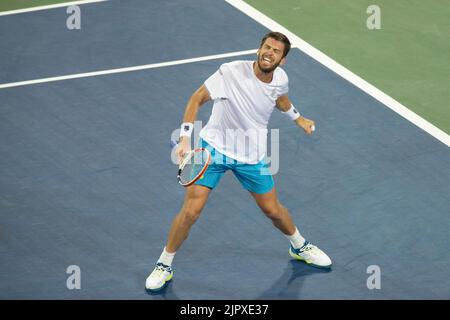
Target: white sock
166	257
296	239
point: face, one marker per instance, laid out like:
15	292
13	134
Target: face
270	55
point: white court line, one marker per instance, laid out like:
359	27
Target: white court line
343	72
128	69
51	6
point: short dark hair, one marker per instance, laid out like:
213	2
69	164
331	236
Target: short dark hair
279	37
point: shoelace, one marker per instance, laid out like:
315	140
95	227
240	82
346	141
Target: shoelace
307	247
160	269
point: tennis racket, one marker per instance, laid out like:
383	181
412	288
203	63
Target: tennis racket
193	166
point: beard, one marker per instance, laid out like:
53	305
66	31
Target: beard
266	70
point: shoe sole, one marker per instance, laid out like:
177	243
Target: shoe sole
300	258
163	286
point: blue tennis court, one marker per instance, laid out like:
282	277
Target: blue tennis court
87	180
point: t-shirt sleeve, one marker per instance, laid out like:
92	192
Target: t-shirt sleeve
283	87
215	84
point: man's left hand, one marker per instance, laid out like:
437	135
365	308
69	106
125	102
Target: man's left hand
306	124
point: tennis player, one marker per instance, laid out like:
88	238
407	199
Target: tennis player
244	94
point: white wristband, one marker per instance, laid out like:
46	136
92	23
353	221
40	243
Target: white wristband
292	113
186	129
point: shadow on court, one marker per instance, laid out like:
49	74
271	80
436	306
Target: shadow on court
166	293
291	282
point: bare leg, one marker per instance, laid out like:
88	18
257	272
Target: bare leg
194	201
274	210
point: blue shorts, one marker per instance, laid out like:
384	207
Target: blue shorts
253	177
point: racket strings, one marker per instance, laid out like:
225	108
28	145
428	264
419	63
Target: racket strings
192	166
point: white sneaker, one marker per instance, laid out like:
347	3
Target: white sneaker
312	255
159	277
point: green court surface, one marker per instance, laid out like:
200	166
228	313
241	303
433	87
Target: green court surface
20	4
408	58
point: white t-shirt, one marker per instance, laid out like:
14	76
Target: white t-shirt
242	107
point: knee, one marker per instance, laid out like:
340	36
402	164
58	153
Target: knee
273	212
190	215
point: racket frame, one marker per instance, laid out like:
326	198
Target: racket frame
184	162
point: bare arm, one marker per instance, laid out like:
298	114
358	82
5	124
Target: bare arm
198	98
284	104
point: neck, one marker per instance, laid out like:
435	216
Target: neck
261	75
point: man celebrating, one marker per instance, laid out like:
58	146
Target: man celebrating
245	94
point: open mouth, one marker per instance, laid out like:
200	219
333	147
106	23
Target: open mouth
267	60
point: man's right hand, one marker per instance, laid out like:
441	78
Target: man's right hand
184	146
